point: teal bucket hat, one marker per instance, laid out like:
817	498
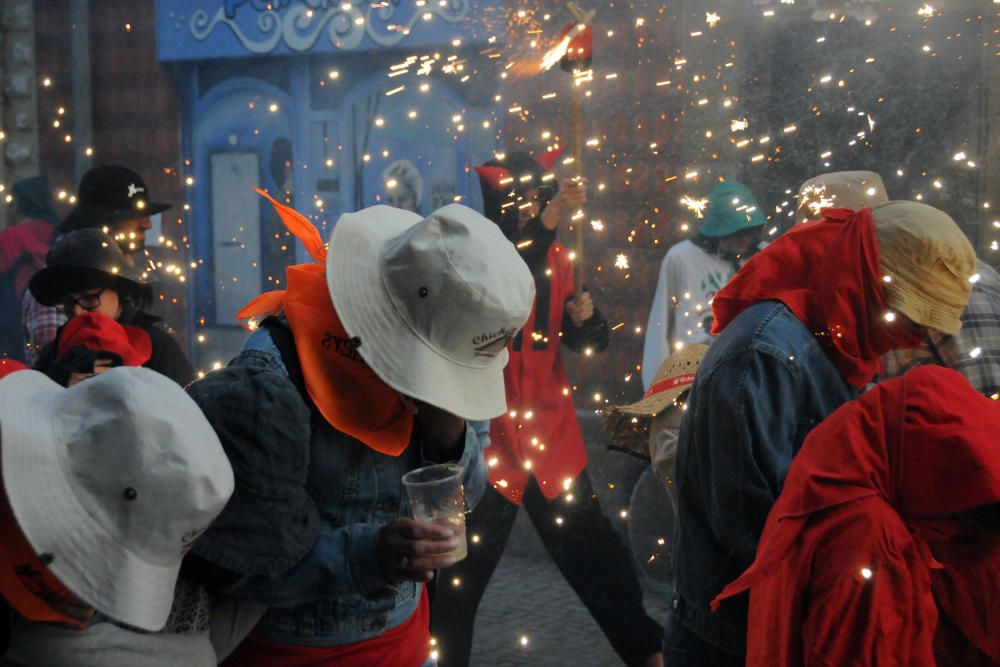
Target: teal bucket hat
732	208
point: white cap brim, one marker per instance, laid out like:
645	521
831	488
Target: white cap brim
86	558
389	346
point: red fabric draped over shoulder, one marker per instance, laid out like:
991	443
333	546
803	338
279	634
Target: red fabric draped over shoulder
829	275
862	553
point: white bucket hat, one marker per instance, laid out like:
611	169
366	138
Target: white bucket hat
433	302
111	482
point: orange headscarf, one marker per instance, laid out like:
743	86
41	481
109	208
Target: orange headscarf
349	395
25	582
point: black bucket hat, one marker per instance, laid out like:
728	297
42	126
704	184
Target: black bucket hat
270	523
107	195
79	258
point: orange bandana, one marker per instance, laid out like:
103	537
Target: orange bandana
345	390
25	582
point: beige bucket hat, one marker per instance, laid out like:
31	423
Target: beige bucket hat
928	263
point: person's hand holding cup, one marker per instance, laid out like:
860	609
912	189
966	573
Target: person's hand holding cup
411	549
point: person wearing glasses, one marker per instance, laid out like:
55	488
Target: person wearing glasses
87	272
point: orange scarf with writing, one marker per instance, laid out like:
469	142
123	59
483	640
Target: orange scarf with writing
344	389
25	582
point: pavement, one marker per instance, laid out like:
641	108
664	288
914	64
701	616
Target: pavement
530	616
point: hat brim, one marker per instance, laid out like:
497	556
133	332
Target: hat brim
923	309
261	536
389	346
52	283
655	404
87	559
87	217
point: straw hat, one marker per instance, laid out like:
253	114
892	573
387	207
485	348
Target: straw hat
674	377
629	424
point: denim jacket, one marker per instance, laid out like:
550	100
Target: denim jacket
763	385
337	594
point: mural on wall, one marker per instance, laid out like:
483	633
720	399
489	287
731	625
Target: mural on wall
397	157
230	28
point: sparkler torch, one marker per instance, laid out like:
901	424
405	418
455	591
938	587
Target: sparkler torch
574	54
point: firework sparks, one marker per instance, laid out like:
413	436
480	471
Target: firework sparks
696	206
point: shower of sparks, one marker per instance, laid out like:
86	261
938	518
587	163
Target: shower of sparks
697	206
555	54
621	261
814	198
711	18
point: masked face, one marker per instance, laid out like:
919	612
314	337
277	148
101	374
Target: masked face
663	435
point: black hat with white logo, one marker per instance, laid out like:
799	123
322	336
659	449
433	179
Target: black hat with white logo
107	195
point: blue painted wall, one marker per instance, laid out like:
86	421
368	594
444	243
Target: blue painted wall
421	131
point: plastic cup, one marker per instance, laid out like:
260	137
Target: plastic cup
436	495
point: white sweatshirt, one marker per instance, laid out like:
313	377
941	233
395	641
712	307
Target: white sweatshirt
682	311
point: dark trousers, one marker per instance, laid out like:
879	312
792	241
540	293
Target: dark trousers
585	547
683	648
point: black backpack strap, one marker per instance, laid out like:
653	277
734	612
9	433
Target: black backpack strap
283	339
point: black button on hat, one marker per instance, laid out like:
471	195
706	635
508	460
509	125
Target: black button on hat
107	195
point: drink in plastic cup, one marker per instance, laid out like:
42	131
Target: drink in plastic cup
436	495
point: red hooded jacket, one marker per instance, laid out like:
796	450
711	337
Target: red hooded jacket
862	560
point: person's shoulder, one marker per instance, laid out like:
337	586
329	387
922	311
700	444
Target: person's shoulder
987	283
685	248
766	329
260	350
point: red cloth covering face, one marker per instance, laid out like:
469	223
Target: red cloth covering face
29	240
829	275
539	435
95	331
407	645
861	561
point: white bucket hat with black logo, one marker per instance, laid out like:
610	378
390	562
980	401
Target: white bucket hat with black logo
434	302
111	482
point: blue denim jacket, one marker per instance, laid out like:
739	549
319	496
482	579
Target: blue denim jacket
763	385
337	593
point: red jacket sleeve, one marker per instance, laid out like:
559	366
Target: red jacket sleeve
15	243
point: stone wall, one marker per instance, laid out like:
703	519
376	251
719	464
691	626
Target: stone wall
18	98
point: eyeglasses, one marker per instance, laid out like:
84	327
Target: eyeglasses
89	301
